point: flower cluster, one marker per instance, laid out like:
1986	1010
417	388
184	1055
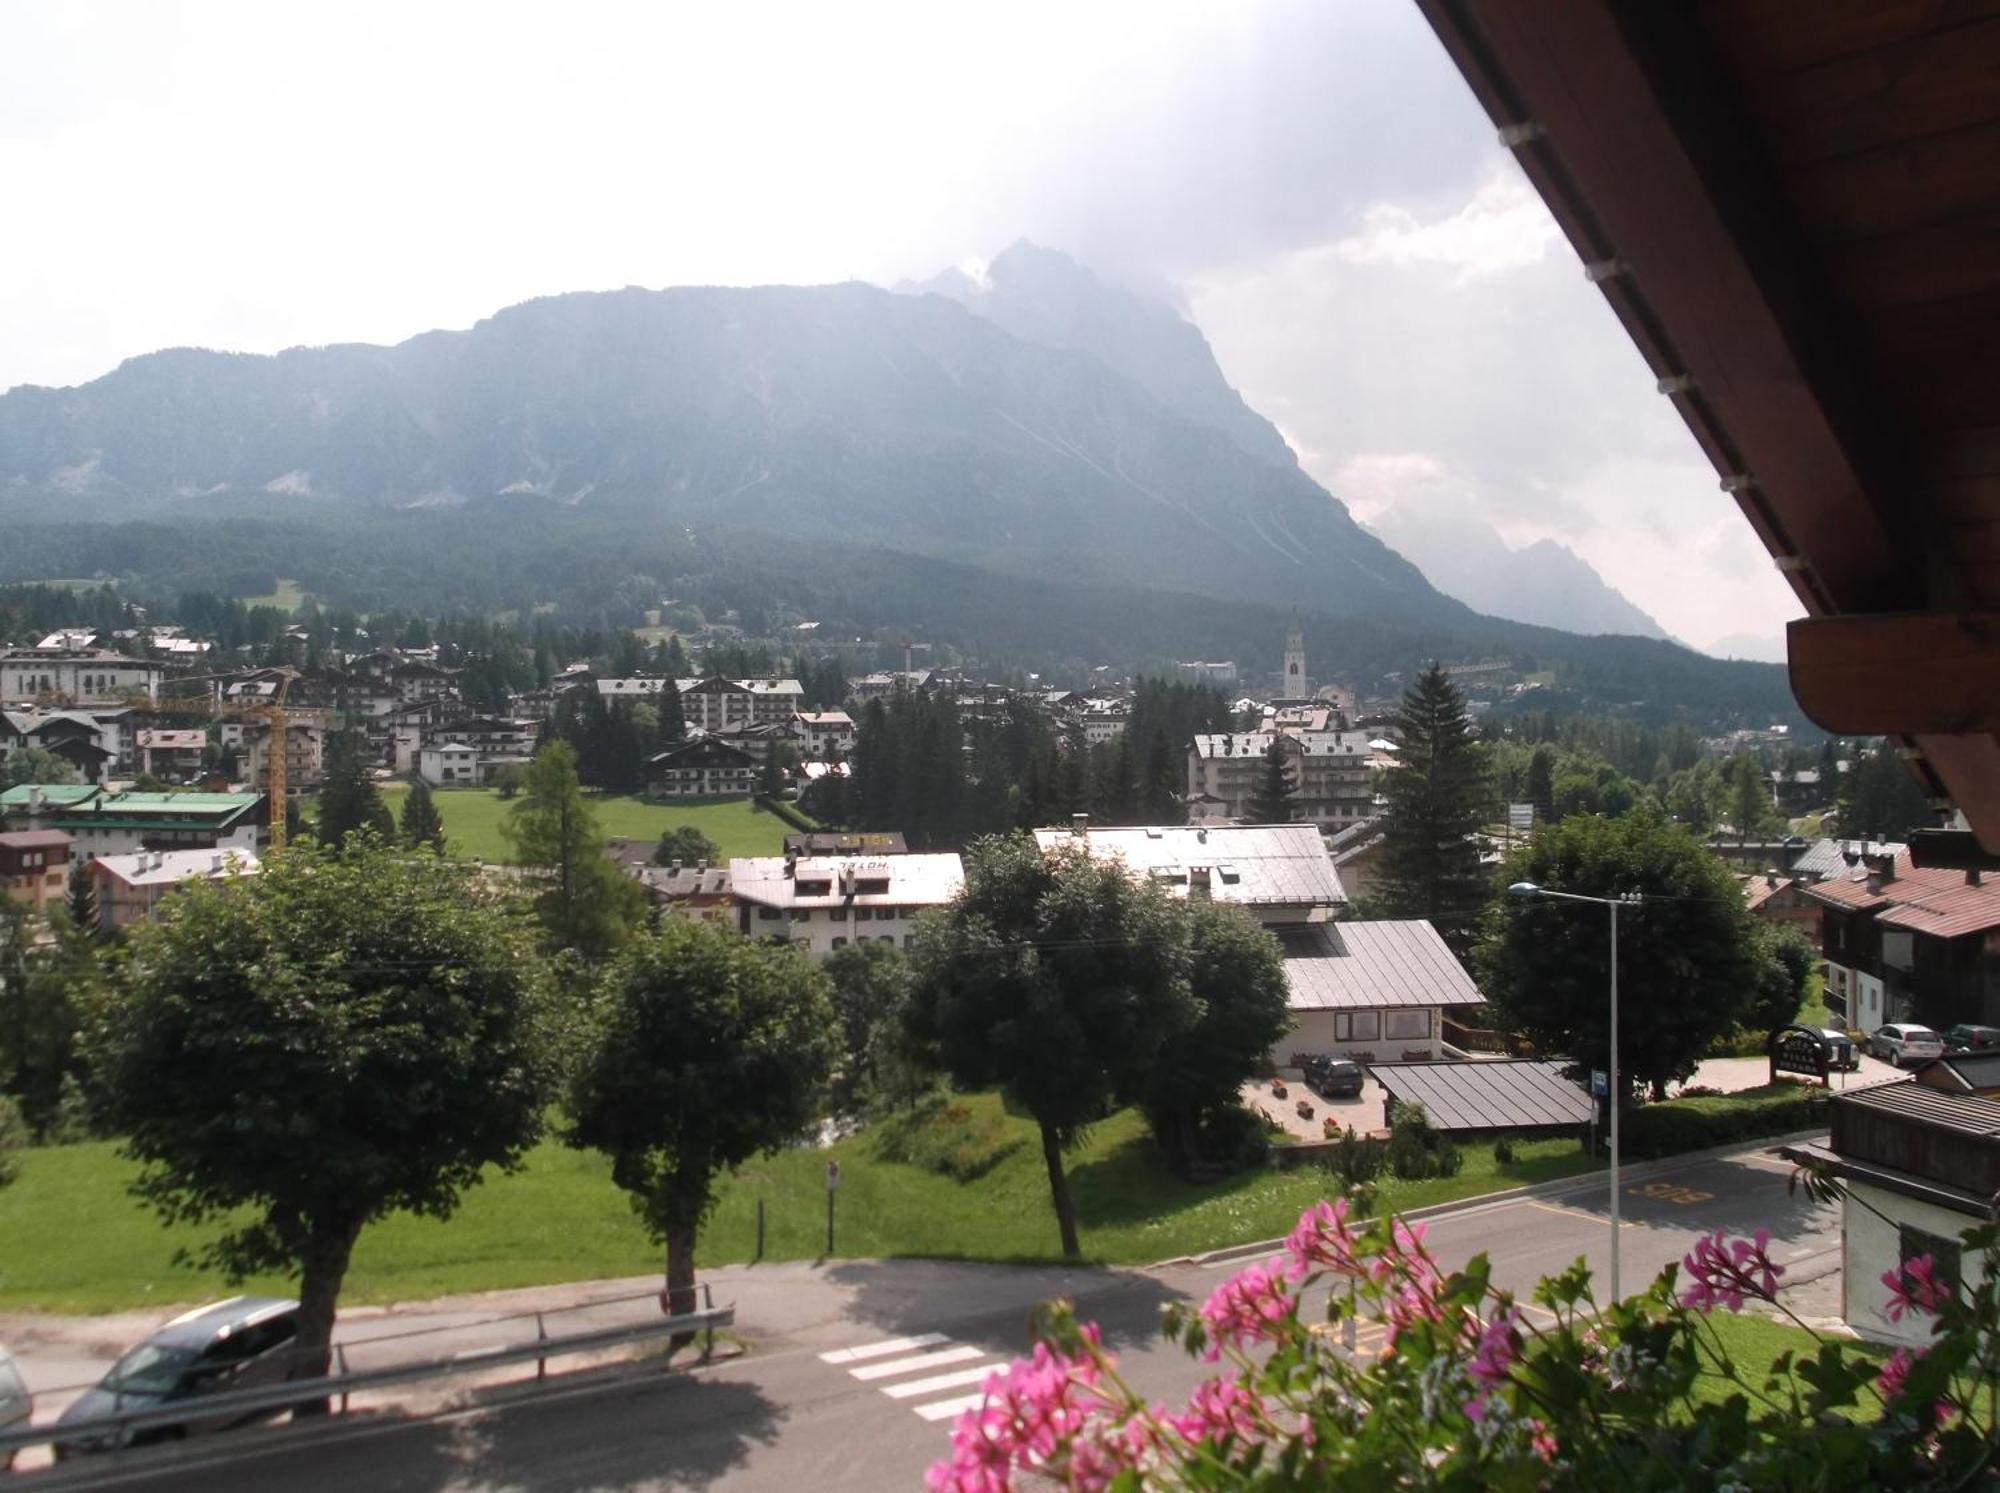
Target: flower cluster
1914	1288
1250	1307
1723	1271
1324	1241
1030	1411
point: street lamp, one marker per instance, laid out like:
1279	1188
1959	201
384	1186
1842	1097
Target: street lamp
1527	891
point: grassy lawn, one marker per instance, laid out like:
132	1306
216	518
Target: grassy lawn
472	821
1753	1341
72	1240
288	595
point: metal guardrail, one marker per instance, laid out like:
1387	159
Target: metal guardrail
242	1404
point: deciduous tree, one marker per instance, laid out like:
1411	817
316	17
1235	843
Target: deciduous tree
1055	978
710	1049
296	1054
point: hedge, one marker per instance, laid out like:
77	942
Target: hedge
1674	1126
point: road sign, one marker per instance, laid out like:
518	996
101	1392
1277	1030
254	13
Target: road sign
1600	1083
832	1175
1521	817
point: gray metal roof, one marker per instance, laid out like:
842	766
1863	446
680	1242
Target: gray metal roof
1342	966
1489	1096
1828	857
1967	1114
1250	865
1968	1070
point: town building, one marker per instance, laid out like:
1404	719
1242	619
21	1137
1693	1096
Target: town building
126	823
33	805
864	842
758	741
417	681
76	675
1221	674
717	704
75	736
1294	681
823	903
826	733
129	887
702	768
172	756
305	750
1903	943
700	894
448	764
1782	902
34	866
1278	873
1332	772
1921	1166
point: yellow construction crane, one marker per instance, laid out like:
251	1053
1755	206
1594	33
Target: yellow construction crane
272	713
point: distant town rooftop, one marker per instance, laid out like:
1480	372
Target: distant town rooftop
1251	865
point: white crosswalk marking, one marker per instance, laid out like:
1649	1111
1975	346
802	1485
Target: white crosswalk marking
935	1360
950	1409
883	1349
904	1363
937	1382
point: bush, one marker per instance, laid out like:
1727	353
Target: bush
1357	1159
949	1138
1503	1151
1675	1126
1416	1148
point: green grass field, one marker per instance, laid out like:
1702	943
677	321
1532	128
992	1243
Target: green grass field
288	595
472	821
72	1240
1753	1342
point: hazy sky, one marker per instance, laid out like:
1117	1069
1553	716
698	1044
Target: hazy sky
1310	179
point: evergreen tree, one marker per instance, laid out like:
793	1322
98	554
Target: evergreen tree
82	899
1436	803
422	824
348	798
669	721
586	902
1276	785
1542	784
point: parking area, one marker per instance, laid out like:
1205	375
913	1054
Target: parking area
1365	1112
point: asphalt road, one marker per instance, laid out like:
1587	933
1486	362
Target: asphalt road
853	1372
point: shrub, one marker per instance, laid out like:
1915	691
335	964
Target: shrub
1503	1151
948	1137
1357	1159
1678	1125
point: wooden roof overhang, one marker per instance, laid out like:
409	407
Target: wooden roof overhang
1794	209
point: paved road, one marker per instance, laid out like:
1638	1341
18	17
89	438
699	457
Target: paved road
855	1369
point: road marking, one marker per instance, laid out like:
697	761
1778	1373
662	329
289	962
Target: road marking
955	1380
946	1409
1579	1213
1687	1197
882	1349
935	1360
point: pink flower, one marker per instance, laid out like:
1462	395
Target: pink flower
1096	1457
1251	1306
1220	1409
1323	1241
1499	1346
1723	1271
1542	1441
1889	1383
1031	1409
1914	1288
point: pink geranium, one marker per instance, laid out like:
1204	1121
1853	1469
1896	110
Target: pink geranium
1722	1271
1323	1241
1499	1346
1219	1410
1251	1306
1914	1288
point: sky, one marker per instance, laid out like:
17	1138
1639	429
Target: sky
1309	180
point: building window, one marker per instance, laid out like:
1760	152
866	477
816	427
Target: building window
1404	1024
863	914
802	914
768	914
1357	1026
840	943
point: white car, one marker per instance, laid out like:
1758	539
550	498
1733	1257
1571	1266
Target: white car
1899	1042
15	1402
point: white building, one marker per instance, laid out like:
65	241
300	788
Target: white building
75	674
1332	772
129	887
1278	873
718	704
823	903
449	764
825	733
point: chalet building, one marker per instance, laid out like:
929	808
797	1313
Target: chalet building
417	681
1374	991
34	805
823	903
34	866
703	768
1798	792
1904	943
717	704
305	749
129	887
758	741
1332	772
1922	1165
449	764
74	736
1825	858
825	733
126	823
483	745
76	674
172	756
1782	901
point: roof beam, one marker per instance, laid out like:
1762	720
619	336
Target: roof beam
1898	675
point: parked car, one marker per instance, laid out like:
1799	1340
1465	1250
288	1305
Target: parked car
1334	1078
242	1343
16	1404
1965	1037
1901	1042
1841	1051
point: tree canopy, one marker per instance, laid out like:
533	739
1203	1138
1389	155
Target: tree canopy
709	1050
1689	957
422	824
348	798
295	1054
1055	978
585	901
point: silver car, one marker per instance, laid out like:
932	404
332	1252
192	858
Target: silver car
1901	1042
16	1404
242	1343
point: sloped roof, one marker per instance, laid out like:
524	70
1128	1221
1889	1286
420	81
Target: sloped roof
1489	1096
1345	966
1250	865
1940	901
914	880
168	867
1828	857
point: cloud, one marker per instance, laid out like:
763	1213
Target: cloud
1504	227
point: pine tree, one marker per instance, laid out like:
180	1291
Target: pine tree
422	825
1276	786
1542	784
82	898
671	728
348	800
1436	803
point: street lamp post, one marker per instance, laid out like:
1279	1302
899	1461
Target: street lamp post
1528	891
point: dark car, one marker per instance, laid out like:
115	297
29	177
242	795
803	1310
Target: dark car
1966	1037
242	1343
1334	1078
1841	1051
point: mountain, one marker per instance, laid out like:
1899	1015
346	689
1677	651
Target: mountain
1544	583
844	410
1044	296
1755	647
